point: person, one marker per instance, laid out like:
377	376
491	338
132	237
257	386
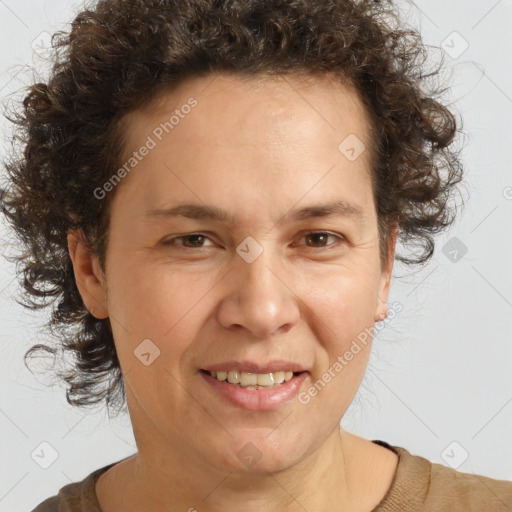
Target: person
210	195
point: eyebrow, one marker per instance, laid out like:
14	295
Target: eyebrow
208	212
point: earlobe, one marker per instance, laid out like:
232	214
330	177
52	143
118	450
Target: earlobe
382	316
88	276
381	311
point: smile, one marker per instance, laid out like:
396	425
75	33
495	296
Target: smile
255	396
253	380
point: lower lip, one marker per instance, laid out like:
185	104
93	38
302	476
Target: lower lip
257	399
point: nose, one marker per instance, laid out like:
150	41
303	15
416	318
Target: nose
259	297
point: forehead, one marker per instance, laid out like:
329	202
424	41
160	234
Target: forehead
246	133
272	107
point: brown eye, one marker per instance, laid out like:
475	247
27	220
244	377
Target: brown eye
319	238
196	240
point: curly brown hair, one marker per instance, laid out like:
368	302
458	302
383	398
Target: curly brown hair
120	53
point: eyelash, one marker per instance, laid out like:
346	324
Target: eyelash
171	241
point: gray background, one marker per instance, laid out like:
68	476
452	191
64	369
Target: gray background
439	382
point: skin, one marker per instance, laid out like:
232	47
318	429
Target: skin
259	149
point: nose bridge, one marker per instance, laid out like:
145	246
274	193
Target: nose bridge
258	269
258	298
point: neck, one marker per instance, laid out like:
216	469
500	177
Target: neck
187	483
158	479
187	470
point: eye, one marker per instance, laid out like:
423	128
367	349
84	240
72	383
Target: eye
197	239
320	237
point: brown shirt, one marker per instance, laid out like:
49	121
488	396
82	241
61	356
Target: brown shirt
418	486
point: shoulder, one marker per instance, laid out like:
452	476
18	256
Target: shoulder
68	499
429	486
469	491
48	505
77	496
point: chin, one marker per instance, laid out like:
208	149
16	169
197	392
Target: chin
252	451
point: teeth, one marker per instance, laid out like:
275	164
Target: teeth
253	380
233	377
248	379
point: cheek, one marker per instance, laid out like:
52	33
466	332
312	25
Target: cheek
152	297
346	302
344	309
158	315
342	326
166	305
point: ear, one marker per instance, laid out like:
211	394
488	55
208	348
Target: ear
381	310
89	278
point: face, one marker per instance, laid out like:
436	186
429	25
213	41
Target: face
275	281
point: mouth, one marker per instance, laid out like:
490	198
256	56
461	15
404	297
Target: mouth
248	380
277	388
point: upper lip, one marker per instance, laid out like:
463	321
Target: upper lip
253	367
